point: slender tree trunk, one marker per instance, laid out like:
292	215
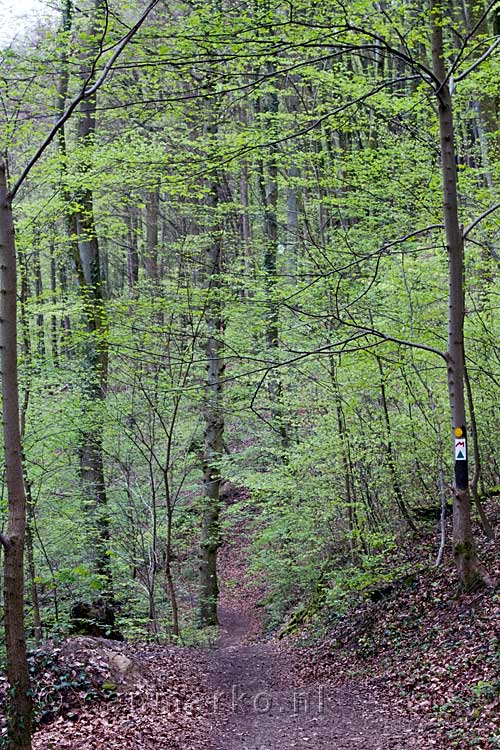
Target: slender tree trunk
292	222
245	226
35	602
92	292
65	324
152	566
213	412
268	184
214	428
474	482
169	579
464	549
485	124
54	338
355	528
292	192
396	485
27	352
132	252
442	483
152	233
20	703
170	503
440	461
40	323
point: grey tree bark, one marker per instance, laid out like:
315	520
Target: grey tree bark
132	251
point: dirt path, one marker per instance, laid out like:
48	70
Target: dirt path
260	703
260	706
247	693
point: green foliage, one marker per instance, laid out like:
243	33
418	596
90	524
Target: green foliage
339	430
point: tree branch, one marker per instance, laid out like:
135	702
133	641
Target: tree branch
470	34
404	342
478	62
479	219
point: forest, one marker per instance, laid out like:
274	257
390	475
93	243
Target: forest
249	293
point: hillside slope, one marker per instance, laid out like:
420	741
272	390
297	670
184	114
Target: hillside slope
431	652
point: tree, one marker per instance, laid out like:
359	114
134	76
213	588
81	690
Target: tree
92	292
213	409
20	703
464	551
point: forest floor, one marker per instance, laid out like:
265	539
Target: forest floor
419	669
243	693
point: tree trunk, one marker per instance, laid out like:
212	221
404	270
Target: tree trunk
245	227
152	234
54	338
213	412
464	550
214	428
35	602
132	252
474	482
292	223
169	579
65	324
485	123
355	529
268	184
40	323
20	703
396	485
292	196
27	353
91	286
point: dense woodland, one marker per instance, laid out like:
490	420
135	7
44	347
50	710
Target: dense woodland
257	250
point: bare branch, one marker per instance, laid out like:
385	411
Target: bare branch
479	219
425	73
480	20
363	331
404	342
478	62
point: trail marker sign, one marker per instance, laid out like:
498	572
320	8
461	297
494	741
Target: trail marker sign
460	449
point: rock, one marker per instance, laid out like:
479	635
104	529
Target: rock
120	662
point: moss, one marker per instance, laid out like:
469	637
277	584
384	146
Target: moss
464	549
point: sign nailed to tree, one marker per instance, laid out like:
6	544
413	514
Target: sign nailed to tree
460	449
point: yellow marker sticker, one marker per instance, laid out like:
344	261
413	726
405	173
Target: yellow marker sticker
459	432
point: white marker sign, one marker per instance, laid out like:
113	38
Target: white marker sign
460	449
